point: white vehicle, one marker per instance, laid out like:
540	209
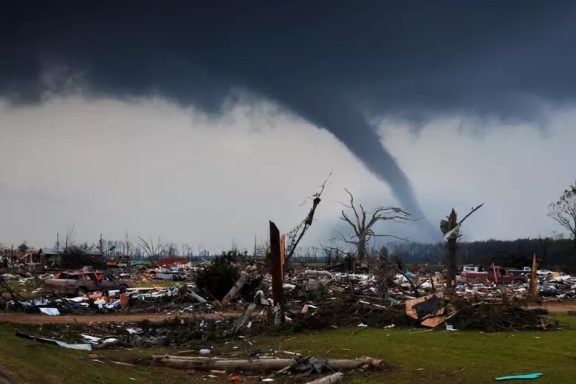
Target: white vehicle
540	272
544	273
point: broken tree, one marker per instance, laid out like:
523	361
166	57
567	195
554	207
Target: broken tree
297	233
277	272
363	224
450	228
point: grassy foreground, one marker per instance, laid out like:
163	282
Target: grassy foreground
414	355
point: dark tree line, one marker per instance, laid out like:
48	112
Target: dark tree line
512	253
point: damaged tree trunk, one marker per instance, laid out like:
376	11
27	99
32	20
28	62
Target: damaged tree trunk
208	363
534	280
450	228
235	290
197	297
244	318
276	270
451	247
5	287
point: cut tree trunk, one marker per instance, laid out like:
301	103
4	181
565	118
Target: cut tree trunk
208	363
335	377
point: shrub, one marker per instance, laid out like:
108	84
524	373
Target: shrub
218	277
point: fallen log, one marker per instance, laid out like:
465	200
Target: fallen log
243	320
335	377
197	297
235	290
209	363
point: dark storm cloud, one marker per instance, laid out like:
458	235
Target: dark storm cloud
335	63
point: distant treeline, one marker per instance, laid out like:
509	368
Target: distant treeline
550	253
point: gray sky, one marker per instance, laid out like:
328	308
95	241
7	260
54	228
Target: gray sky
151	168
162	119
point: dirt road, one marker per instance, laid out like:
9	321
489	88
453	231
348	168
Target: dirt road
557	307
33	318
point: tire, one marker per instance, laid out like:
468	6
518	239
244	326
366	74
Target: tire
81	291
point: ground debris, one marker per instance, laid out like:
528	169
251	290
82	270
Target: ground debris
499	316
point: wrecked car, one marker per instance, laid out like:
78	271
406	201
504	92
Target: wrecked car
78	283
494	274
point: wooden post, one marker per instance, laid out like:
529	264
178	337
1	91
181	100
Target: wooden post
534	280
282	254
276	268
494	272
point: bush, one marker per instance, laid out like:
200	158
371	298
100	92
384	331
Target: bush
76	257
218	277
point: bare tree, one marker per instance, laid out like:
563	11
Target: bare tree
262	249
363	222
170	250
187	250
330	253
544	244
128	248
69	237
150	248
563	211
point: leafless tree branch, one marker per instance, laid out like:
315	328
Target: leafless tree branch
363	222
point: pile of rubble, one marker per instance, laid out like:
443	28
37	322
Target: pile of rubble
177	299
177	332
316	299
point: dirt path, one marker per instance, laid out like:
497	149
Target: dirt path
557	307
33	318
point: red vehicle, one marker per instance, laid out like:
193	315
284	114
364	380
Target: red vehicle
494	274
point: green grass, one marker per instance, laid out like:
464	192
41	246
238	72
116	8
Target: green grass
414	356
468	357
35	362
